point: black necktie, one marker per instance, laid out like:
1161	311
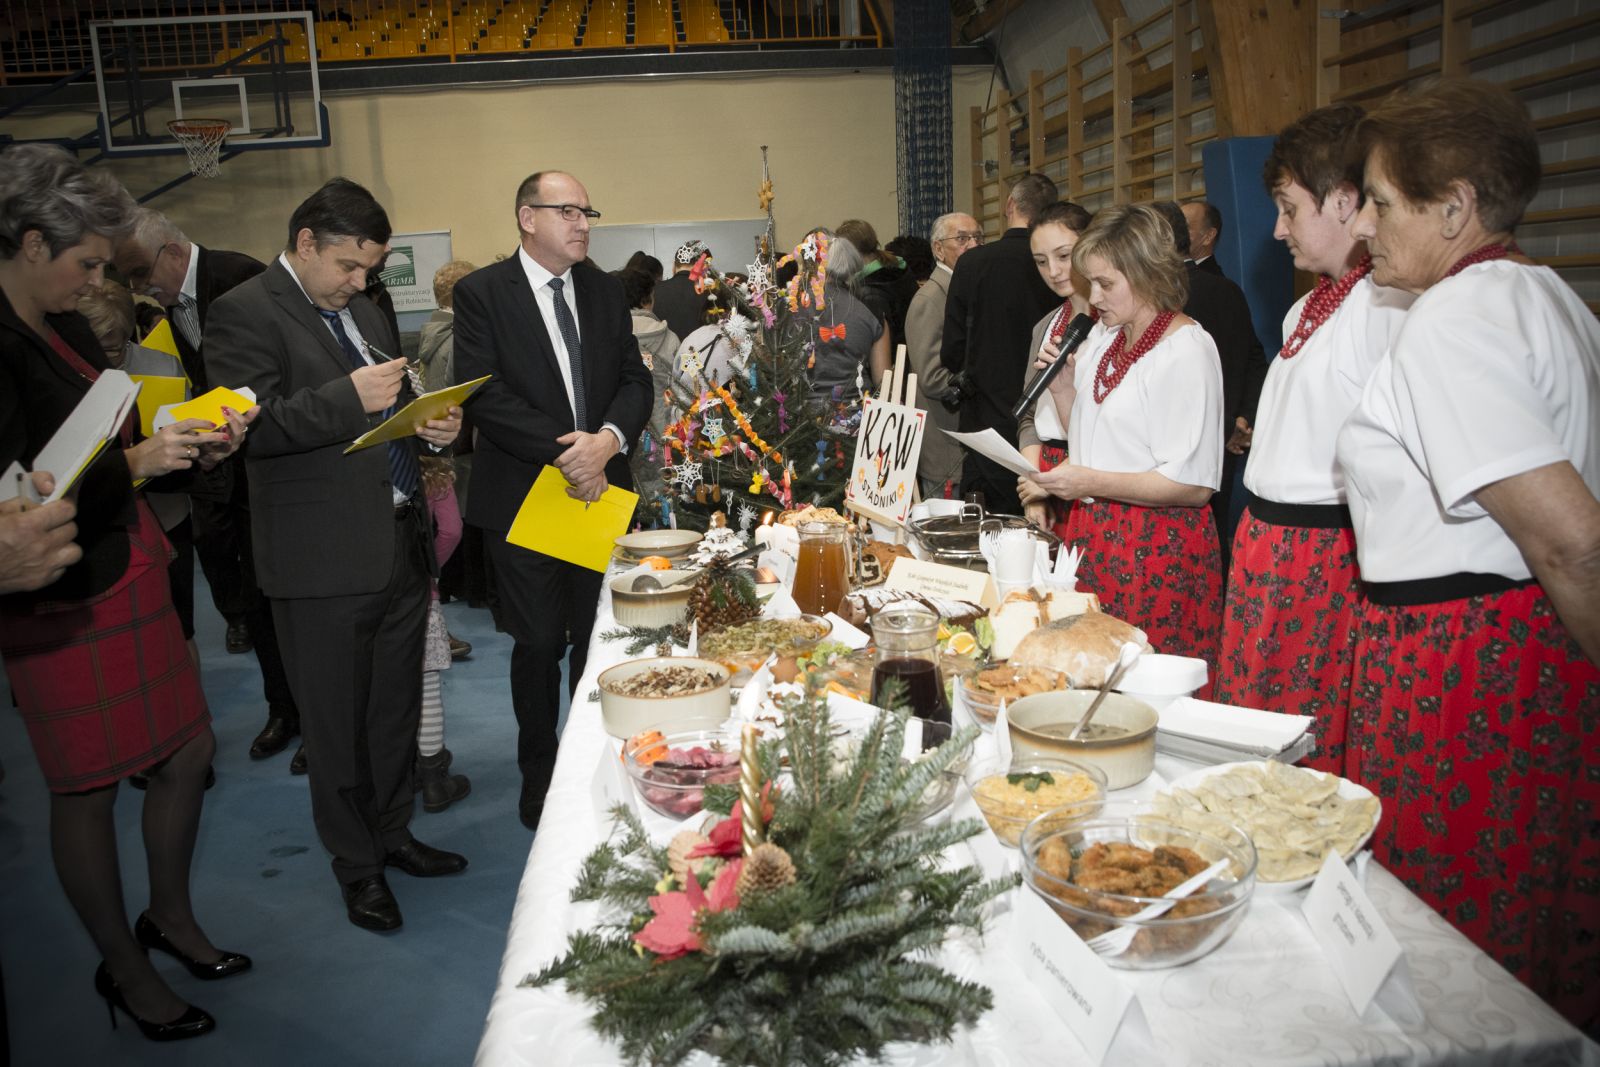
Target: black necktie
569	336
403	471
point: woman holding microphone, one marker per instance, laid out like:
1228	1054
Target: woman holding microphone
1142	412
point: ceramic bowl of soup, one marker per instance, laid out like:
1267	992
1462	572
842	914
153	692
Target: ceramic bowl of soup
1120	740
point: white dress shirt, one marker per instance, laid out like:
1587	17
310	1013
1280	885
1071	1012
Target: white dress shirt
1494	373
1307	398
1164	416
545	297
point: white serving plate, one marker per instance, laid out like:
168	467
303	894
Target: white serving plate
670	544
1347	789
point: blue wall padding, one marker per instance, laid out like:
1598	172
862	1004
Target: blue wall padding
1261	266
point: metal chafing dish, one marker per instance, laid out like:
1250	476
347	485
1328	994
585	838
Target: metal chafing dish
953	539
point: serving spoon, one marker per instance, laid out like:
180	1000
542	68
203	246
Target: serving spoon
1125	658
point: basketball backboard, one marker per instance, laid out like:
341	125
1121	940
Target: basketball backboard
256	71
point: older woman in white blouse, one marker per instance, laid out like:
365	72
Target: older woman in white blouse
1142	417
1472	466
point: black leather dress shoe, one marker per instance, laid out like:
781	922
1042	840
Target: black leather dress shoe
370	905
274	737
425	861
298	764
150	936
238	639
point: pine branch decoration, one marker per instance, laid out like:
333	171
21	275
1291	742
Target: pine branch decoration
825	955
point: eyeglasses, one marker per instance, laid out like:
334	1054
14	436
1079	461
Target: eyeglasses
138	278
964	238
570	212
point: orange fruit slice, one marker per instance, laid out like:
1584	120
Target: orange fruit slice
657	563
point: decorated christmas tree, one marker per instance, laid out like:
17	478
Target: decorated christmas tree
756	442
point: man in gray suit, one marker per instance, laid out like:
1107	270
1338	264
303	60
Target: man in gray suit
940	463
343	543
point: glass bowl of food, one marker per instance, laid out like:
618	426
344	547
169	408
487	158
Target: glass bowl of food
982	689
1011	793
671	768
744	648
1098	874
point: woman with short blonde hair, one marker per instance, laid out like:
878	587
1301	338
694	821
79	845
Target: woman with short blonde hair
1143	424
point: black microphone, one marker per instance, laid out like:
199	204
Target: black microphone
1077	330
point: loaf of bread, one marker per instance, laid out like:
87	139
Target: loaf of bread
877	558
1083	647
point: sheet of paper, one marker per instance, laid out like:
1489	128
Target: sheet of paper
1354	938
208	406
1091	998
555	524
942	580
404	422
989	444
157	391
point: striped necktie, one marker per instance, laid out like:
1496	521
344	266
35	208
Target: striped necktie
569	337
186	315
403	469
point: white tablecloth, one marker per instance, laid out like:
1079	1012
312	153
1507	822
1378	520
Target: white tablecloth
1266	996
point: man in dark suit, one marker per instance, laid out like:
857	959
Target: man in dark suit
569	389
343	542
186	279
1219	306
680	307
995	297
1205	230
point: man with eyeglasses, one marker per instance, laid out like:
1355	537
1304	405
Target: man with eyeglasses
569	389
939	467
996	295
186	279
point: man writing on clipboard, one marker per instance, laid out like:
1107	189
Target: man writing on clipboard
342	541
569	389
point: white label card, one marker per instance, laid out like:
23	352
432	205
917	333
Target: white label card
1090	997
941	580
1358	944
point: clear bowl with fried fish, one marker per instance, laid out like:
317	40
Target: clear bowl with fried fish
1099	873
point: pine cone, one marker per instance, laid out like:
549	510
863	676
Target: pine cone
723	597
767	869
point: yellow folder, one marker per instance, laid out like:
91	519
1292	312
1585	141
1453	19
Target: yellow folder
209	406
158	391
404	422
553	523
160	338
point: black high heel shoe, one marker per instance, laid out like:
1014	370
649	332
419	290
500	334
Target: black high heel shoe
191	1023
150	936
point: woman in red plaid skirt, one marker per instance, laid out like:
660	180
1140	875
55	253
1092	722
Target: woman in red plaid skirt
1142	412
1293	585
1472	465
97	661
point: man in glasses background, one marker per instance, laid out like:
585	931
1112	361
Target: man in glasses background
570	389
940	462
159	261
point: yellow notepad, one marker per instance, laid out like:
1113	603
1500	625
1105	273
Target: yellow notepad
553	523
158	391
404	423
209	406
160	338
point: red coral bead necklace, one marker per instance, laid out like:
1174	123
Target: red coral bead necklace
1117	361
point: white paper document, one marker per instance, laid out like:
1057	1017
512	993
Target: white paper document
989	444
79	439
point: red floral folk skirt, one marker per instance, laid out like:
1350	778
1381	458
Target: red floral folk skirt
1158	568
1477	724
106	686
1051	457
1288	627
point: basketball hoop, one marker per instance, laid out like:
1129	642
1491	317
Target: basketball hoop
202	141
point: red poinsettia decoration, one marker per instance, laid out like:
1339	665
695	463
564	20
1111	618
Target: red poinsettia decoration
726	838
672	932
